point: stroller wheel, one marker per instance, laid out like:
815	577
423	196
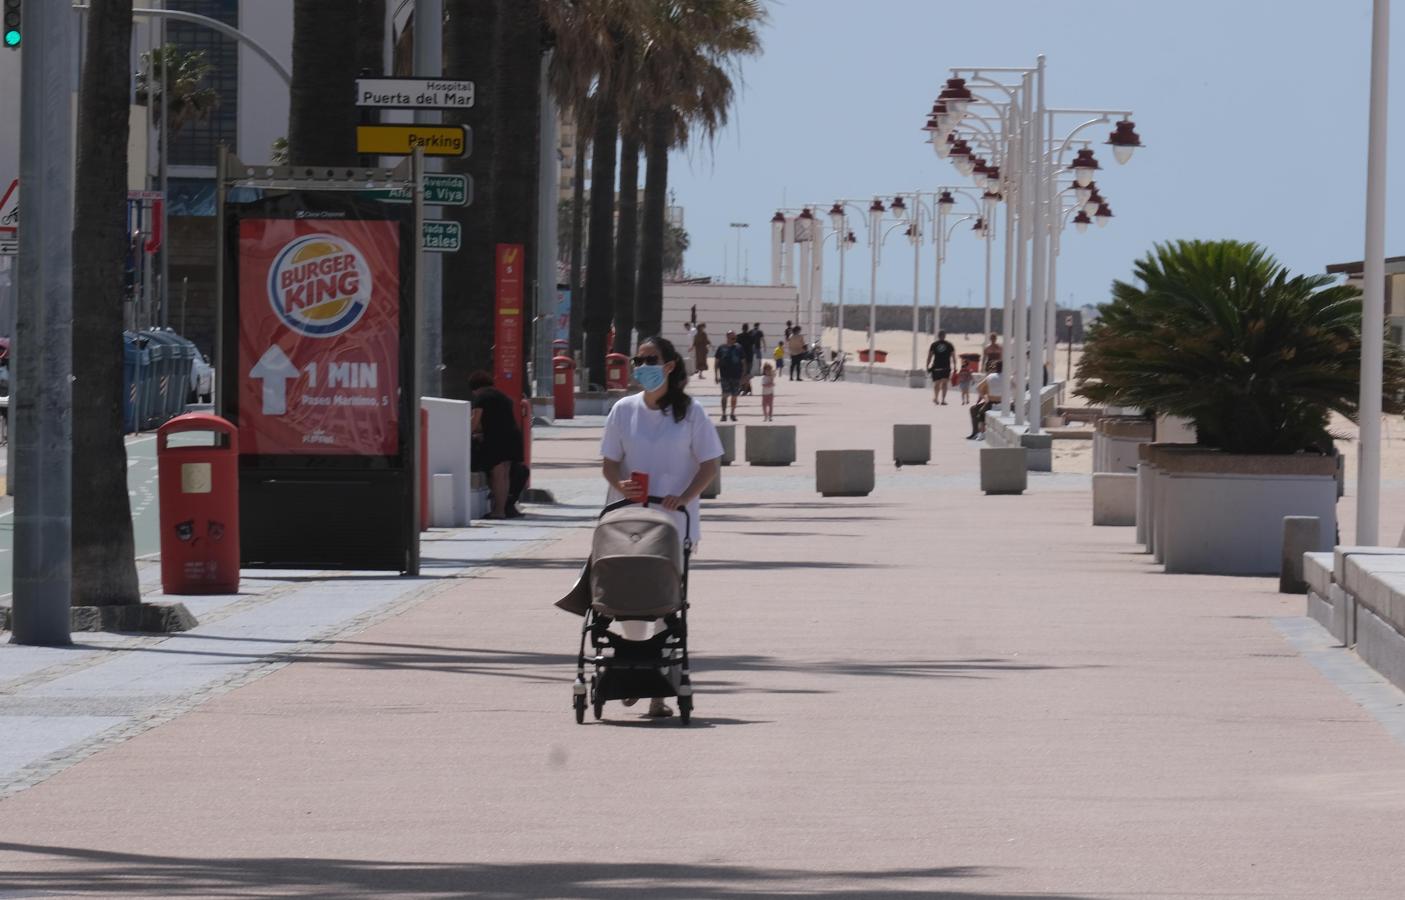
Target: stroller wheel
580	709
685	710
597	702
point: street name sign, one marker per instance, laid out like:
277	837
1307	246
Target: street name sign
414	93
439	190
403	140
439	236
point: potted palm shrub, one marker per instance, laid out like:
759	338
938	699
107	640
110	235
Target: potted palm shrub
1258	359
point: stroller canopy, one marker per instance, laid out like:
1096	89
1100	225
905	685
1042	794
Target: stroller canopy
636	566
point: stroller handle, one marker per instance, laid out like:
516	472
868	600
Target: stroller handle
682	510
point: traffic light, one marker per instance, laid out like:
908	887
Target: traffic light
12	24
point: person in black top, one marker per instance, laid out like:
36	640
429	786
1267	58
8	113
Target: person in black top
497	443
729	368
939	358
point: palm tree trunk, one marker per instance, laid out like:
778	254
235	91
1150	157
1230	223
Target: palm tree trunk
322	113
517	71
577	242
649	312
627	241
104	555
599	289
470	30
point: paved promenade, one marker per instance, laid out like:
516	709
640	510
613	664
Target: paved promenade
921	693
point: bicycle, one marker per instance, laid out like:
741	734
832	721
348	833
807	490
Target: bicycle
817	368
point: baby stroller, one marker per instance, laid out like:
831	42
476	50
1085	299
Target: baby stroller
638	571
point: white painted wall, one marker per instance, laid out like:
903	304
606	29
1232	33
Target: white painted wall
724	306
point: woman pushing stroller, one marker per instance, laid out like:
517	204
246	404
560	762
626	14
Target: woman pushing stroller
666	437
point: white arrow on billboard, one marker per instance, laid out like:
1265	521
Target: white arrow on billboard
274	368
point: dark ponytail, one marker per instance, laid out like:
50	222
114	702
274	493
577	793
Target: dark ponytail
675	398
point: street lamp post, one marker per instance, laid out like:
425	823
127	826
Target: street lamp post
1368	477
737	227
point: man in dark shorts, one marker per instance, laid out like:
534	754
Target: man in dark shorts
729	368
939	358
747	342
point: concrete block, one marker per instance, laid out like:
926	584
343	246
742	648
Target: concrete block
1114	498
715	488
1337	598
912	445
1300	535
1341	553
448	443
441	501
1003	470
1380	646
1317	571
844	473
770	445
1039	451
1146	477
728	436
1319	610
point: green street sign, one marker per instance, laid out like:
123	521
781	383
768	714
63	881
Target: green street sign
440	236
439	190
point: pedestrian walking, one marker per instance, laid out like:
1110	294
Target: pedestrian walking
730	367
747	341
939	359
778	356
963	381
796	346
768	392
665	436
992	353
701	343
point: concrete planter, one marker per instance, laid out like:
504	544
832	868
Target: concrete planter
844	473
912	445
770	445
1115	442
1222	514
728	436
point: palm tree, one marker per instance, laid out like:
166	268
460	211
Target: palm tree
104	555
322	112
1220	333
627	238
686	84
183	73
470	42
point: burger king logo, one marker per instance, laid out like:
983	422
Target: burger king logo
319	285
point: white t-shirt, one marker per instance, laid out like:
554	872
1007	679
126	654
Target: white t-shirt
650	441
994	382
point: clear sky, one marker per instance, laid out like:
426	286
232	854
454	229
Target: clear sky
1254	114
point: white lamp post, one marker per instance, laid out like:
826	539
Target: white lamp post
1368	477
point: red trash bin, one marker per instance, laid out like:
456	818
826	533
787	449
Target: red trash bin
199	516
563	387
616	371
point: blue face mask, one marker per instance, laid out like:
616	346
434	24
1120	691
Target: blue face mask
649	377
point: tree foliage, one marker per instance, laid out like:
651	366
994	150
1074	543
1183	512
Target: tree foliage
1220	333
183	73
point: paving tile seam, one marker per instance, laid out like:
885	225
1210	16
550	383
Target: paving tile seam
52	764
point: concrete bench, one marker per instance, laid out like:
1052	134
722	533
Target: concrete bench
1114	498
770	445
1003	470
844	473
728	436
714	489
1365	607
1001	431
912	445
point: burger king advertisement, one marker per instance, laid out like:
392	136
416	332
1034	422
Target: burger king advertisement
319	337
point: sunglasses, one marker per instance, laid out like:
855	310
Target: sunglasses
650	360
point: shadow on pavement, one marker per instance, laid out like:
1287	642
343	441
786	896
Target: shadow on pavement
113	874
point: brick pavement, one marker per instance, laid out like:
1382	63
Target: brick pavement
924	692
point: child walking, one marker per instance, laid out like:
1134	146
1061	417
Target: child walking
963	380
779	355
768	391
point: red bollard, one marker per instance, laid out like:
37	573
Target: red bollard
563	387
199	515
616	371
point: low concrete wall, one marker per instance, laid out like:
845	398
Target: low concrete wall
1001	431
1358	594
1115	442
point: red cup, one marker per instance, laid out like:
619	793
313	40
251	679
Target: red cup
641	479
